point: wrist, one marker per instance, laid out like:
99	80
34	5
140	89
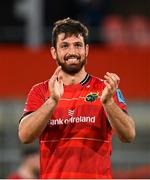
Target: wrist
52	100
108	102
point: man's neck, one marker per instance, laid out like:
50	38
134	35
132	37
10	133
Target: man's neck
73	79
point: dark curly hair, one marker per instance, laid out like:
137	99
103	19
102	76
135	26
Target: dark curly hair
69	27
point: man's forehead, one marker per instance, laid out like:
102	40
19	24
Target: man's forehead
64	36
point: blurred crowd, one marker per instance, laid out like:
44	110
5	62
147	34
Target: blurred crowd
134	31
108	23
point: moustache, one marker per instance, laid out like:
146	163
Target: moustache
72	56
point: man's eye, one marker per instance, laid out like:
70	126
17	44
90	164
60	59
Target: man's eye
64	46
78	45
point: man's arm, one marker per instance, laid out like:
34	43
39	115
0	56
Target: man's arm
121	122
32	125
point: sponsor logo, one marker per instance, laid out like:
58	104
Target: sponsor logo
70	112
80	119
91	97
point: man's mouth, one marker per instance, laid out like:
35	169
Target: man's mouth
72	60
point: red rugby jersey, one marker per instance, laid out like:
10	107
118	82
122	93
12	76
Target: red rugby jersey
77	140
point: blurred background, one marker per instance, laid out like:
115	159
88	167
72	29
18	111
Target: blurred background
120	43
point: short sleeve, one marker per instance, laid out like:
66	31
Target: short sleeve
34	100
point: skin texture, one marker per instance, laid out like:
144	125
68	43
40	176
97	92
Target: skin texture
71	56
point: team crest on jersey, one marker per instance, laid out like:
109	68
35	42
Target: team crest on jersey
91	97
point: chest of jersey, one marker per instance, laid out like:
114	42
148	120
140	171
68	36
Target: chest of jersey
78	105
79	113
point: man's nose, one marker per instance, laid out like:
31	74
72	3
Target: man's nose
72	50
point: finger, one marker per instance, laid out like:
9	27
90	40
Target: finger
117	77
114	78
110	81
52	80
107	85
61	85
60	81
55	75
57	71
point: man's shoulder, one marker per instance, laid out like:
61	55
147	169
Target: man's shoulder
41	84
40	87
97	80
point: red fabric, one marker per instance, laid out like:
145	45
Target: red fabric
77	140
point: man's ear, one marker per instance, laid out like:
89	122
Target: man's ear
53	52
87	50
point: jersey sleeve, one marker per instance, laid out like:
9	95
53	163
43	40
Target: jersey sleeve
119	99
34	100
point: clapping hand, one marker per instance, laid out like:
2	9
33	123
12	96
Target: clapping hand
56	85
111	81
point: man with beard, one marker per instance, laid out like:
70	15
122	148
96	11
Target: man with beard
74	113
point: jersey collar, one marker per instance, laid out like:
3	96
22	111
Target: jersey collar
86	79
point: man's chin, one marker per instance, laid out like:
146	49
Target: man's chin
71	70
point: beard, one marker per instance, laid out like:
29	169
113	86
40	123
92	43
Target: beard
72	68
